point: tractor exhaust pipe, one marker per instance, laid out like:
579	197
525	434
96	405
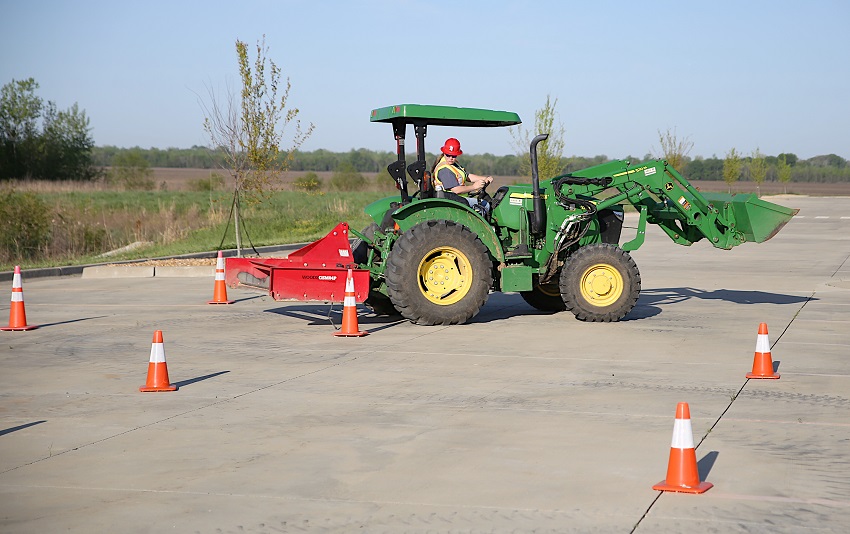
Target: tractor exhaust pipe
538	216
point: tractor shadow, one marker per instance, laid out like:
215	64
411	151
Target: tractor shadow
502	306
327	314
674	295
652	302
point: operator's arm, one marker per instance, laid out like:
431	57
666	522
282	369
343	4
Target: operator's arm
480	179
477	183
449	182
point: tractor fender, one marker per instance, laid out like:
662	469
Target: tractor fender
433	209
376	210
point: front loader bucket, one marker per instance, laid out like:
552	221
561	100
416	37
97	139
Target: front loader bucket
758	220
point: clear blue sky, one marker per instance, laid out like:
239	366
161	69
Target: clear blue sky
743	74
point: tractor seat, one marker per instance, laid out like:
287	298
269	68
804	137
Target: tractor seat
451	196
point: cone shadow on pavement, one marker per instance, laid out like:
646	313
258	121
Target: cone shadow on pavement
188	381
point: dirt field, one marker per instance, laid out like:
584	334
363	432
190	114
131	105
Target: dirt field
180	180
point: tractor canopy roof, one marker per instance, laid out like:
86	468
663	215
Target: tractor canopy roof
444	116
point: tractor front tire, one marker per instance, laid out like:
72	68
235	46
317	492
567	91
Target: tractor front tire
439	273
600	283
379	303
546	297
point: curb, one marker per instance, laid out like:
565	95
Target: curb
120	269
149	271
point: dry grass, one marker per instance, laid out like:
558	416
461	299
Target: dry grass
180	180
169	179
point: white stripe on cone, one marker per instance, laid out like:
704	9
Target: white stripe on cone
349	299
219	267
683	435
762	343
157	353
17	288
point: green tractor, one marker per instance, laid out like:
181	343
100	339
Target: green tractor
434	259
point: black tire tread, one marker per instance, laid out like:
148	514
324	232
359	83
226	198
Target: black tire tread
540	300
402	278
599	253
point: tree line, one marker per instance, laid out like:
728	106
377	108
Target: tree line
40	141
825	169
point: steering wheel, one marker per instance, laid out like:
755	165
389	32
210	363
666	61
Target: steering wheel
483	195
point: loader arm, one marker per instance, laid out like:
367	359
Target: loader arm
665	198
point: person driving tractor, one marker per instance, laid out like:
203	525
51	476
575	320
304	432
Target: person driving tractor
448	175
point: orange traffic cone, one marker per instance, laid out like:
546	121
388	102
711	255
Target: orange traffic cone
762	363
682	472
17	313
349	311
157	369
220	289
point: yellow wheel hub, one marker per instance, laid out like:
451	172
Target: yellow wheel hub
445	275
601	285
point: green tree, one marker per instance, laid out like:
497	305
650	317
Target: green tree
66	145
674	150
20	109
249	131
783	170
732	167
758	169
790	159
58	148
550	151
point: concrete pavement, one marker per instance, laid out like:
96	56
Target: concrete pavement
520	421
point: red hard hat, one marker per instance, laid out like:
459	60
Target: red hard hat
452	147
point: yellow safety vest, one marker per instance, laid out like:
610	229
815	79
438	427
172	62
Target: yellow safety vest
459	172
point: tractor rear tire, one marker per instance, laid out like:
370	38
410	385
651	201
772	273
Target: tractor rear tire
546	297
600	283
379	303
439	273
359	248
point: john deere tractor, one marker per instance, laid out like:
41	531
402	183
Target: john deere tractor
434	259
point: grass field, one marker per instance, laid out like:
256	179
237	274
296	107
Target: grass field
181	180
84	224
90	219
